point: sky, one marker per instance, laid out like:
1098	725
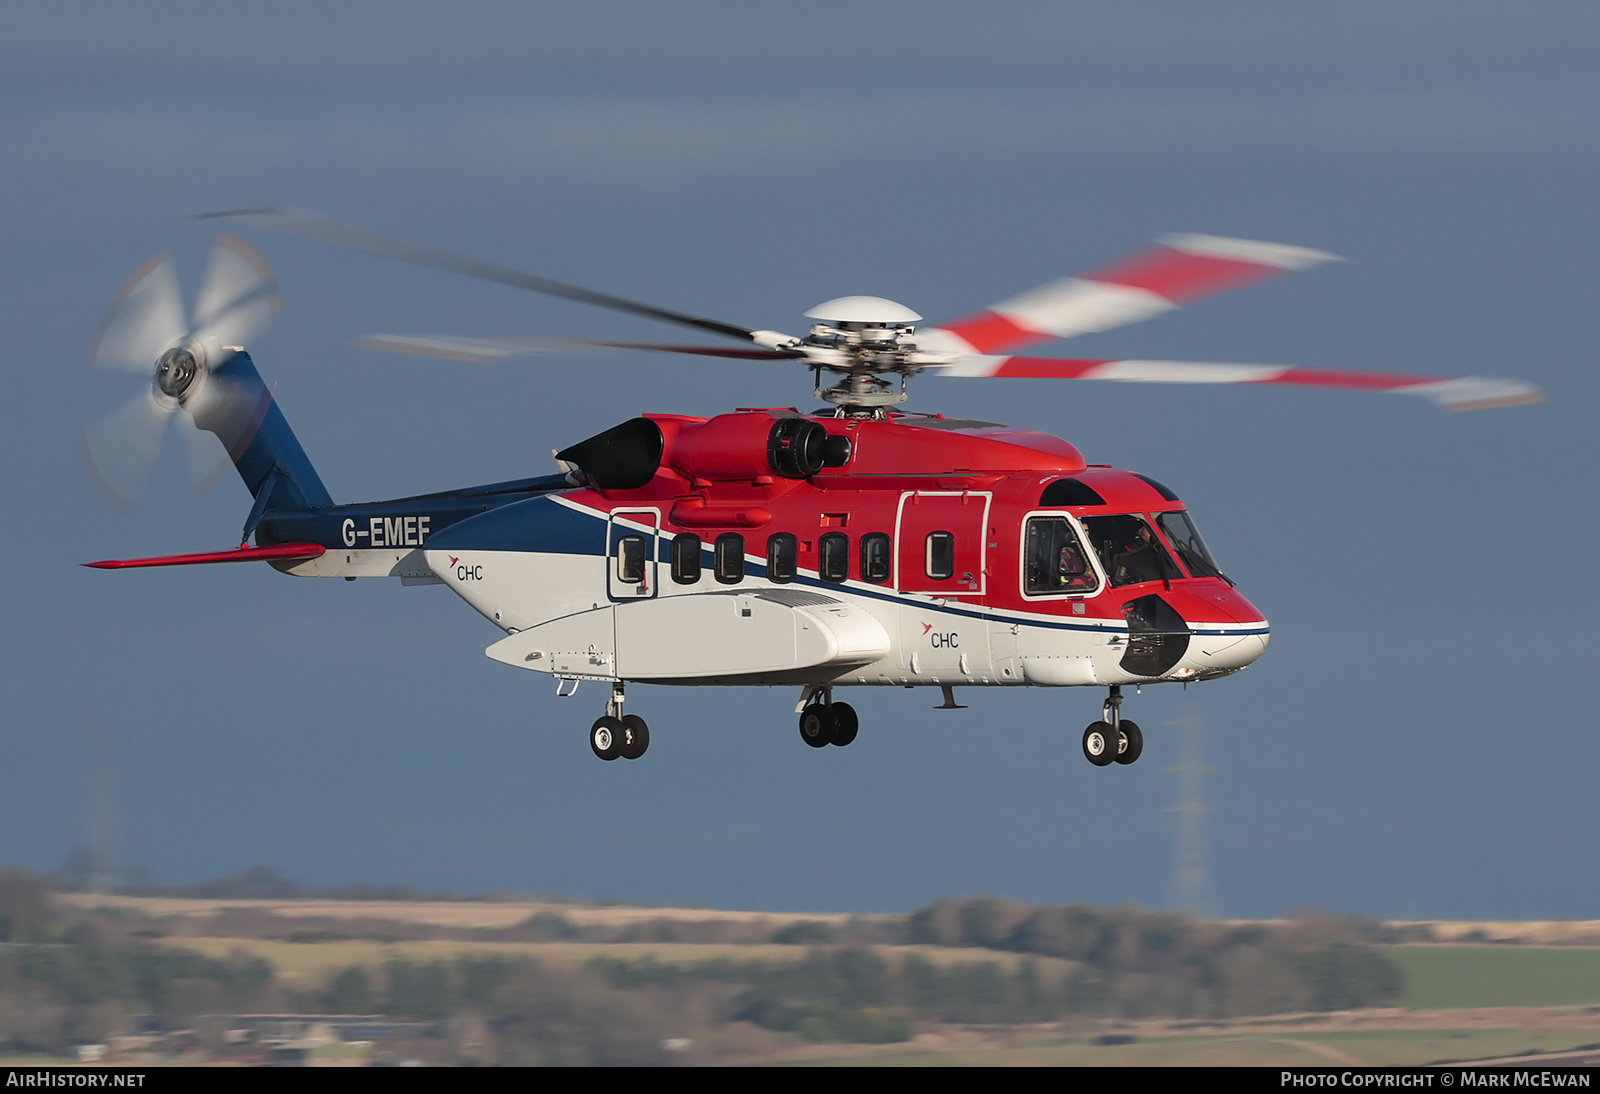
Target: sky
1419	740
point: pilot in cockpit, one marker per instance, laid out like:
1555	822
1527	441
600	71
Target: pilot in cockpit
1072	570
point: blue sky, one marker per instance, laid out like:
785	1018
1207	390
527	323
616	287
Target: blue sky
1418	741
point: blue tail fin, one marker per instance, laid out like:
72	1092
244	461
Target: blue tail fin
241	411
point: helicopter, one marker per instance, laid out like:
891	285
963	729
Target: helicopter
859	545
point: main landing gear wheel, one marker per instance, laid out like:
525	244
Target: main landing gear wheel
635	737
606	736
845	724
816	725
1100	743
1131	745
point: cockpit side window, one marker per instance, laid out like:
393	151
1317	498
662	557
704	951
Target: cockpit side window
1130	550
1185	539
1055	561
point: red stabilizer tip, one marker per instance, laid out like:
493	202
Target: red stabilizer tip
241	554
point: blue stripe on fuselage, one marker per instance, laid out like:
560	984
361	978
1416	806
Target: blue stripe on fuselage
549	526
538	524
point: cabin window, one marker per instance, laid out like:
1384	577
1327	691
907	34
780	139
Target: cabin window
783	557
833	556
1129	550
1055	561
1185	539
729	551
686	558
941	555
630	560
875	558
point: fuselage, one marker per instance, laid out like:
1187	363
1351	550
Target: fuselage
933	551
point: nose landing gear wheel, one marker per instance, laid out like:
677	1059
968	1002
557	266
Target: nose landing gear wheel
1132	742
816	725
845	724
605	737
635	737
1100	743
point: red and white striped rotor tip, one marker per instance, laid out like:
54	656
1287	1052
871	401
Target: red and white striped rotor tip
1177	269
1449	392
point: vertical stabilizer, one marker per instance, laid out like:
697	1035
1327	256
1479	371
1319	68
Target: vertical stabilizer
237	406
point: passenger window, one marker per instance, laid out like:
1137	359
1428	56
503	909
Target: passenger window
630	560
941	555
783	557
729	551
1056	561
833	556
686	558
875	558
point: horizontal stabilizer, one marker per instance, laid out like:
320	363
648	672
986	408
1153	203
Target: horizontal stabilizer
241	554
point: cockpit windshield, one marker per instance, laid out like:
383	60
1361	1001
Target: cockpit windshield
1129	550
1185	539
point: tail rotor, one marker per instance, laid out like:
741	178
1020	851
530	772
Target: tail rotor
144	331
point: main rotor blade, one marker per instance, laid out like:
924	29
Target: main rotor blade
1177	270
1449	392
238	296
480	351
323	229
144	319
120	450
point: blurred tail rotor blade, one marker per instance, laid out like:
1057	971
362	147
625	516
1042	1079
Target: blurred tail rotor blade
479	351
144	319
230	410
1449	392
321	229
208	460
120	450
239	295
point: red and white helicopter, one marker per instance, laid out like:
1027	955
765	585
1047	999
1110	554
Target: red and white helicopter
853	547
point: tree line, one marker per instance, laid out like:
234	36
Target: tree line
70	976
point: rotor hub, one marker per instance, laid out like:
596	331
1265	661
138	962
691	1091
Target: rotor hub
176	371
861	338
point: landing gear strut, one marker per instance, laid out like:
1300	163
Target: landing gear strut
824	722
618	734
1113	739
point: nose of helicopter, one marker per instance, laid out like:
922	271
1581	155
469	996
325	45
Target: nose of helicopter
1227	632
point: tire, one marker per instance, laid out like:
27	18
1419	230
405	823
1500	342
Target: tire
605	737
1098	748
845	724
635	737
816	726
1132	743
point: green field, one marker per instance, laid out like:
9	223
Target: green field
1498	976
